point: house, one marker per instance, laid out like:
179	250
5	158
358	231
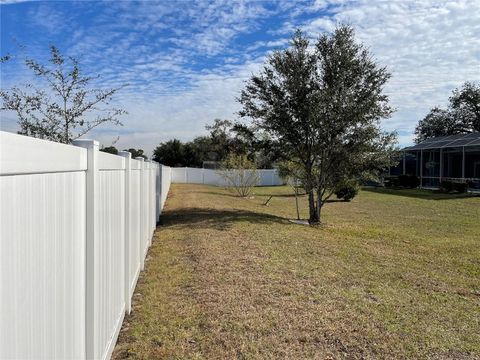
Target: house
455	158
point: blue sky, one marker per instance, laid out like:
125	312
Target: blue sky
185	62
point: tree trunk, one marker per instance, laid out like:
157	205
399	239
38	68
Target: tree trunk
319	208
314	219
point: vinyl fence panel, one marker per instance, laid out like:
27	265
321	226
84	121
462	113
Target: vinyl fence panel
179	175
186	175
194	176
110	298
42	249
166	175
134	247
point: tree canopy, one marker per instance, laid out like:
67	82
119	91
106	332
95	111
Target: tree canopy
136	153
224	137
322	104
66	108
109	149
461	116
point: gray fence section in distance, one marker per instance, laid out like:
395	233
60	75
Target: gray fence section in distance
187	175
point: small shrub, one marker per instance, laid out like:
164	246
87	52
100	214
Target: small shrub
460	187
446	186
450	186
473	184
347	192
239	174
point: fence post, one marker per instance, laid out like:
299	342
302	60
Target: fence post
142	211
158	189
161	179
92	346
128	218
149	200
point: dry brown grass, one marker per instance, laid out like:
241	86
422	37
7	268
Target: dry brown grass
388	277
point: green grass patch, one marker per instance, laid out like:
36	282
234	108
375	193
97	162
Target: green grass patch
392	274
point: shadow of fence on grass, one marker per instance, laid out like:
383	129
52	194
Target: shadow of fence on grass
220	219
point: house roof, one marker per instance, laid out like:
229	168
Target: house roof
459	140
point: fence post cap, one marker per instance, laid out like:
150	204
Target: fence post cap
126	154
140	158
86	143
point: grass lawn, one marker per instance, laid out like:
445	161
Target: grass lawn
393	274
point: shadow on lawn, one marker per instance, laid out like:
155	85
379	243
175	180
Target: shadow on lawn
256	194
220	219
283	195
420	194
218	193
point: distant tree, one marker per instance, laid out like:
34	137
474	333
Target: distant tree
323	107
110	149
465	103
243	140
170	153
66	108
224	137
438	122
191	155
204	150
256	144
220	136
461	116
136	153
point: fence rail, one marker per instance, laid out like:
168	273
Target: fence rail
75	226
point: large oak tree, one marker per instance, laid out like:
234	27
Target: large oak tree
461	116
323	104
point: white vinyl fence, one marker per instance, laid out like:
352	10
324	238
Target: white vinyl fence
187	175
75	226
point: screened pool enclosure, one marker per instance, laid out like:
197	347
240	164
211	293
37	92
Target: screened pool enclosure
455	158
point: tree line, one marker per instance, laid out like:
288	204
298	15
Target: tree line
461	116
224	137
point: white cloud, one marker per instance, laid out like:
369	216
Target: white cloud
10	2
430	47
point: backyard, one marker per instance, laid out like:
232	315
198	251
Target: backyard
392	274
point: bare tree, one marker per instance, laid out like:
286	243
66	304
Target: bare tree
67	108
239	173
